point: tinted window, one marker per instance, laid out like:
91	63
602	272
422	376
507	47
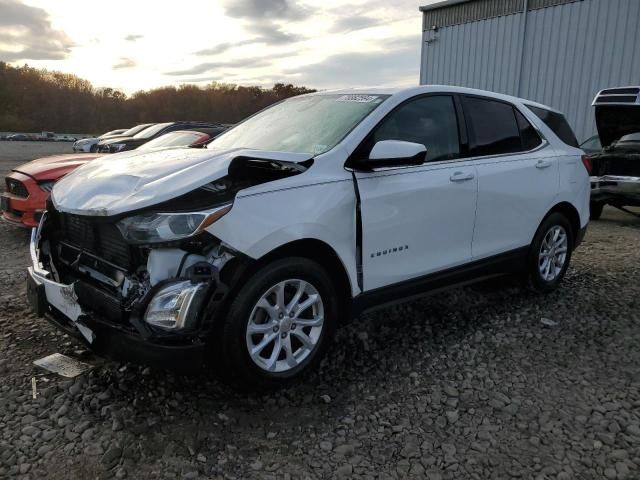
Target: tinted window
492	126
528	135
430	121
557	123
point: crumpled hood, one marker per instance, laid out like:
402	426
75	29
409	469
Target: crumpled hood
55	166
127	181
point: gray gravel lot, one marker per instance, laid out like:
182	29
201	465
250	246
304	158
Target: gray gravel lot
470	383
14	153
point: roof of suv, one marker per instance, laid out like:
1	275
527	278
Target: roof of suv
417	90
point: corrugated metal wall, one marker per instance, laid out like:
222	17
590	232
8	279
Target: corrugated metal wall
567	54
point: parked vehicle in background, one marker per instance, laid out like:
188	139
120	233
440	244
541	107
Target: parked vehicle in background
122	144
91	144
64	138
615	176
250	252
18	137
28	186
591	145
192	138
128	133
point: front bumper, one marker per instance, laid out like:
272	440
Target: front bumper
25	211
616	190
57	303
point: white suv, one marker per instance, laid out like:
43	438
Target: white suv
247	254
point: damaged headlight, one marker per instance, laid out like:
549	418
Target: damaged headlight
163	227
176	306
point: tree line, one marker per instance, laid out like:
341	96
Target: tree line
34	100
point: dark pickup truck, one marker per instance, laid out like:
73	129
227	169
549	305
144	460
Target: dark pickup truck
615	173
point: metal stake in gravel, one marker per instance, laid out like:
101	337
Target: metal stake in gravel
63	365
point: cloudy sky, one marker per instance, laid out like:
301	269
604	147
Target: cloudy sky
135	45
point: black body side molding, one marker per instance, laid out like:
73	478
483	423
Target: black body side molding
514	261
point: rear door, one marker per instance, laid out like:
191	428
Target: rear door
518	176
417	220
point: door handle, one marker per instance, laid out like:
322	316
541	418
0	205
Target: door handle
461	177
543	164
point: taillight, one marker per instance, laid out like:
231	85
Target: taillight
586	161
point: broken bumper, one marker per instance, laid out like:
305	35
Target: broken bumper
616	190
58	304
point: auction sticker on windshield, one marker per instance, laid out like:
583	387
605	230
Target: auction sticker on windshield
357	98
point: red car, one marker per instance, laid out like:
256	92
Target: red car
28	186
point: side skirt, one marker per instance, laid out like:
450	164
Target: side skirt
514	261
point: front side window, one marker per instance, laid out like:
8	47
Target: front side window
430	121
311	124
492	126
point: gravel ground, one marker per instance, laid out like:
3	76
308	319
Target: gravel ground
14	153
489	381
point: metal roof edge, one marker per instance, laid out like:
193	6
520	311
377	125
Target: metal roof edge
441	4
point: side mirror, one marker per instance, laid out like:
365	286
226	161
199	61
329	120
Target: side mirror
396	153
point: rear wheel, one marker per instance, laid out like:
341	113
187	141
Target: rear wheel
550	253
93	148
595	210
279	325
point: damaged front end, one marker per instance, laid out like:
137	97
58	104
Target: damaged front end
145	285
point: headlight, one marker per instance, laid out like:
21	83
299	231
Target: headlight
164	227
116	147
47	186
176	306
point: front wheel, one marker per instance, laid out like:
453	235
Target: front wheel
279	325
550	253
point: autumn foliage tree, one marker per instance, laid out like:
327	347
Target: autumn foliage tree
33	100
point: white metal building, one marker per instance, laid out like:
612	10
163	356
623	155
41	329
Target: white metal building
557	52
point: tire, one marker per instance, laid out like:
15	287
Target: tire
93	148
595	210
231	348
556	222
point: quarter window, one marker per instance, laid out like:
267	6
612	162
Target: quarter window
493	127
430	121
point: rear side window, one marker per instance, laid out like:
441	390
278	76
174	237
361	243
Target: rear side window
557	123
430	120
492	126
528	135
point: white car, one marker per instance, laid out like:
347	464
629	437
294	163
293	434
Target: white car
246	255
91	144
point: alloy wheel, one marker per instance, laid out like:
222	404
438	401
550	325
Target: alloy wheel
553	253
285	325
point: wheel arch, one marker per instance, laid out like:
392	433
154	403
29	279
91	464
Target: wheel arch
239	270
570	212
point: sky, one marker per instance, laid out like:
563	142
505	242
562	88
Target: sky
137	45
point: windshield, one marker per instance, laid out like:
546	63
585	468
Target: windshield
173	139
152	130
133	130
311	124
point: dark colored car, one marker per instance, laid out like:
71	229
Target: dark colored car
18	137
615	174
122	144
126	134
591	145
